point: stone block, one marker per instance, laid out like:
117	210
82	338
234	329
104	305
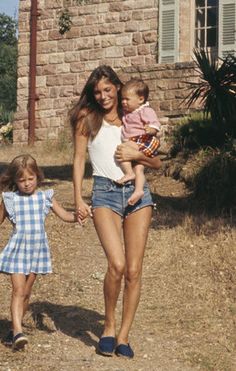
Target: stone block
77	67
109	40
137	15
111	28
132	26
130	51
116	7
47	47
96	54
113	52
150	36
124	40
89	31
143	49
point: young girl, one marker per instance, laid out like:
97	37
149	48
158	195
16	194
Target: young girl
27	252
140	127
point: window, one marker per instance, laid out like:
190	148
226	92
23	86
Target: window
185	25
168	35
206	24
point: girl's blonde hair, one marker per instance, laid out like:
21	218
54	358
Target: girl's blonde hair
15	170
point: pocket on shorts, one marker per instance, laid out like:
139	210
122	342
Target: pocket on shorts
102	188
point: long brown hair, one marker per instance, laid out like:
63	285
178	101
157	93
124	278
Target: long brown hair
87	108
15	170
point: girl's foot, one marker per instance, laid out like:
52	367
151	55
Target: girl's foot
126	178
135	197
19	341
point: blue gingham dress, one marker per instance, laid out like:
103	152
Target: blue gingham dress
27	250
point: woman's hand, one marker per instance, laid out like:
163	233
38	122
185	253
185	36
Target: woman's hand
126	152
83	210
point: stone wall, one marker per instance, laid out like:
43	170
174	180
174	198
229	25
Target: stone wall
122	34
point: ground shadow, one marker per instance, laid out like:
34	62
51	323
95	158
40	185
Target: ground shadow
72	320
5	326
59	172
170	211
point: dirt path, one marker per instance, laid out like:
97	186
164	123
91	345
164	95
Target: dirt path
186	317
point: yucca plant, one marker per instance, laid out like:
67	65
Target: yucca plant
216	89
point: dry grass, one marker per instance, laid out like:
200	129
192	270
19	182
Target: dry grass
186	317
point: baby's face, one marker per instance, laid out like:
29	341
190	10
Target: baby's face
130	100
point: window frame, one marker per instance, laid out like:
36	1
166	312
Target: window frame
213	50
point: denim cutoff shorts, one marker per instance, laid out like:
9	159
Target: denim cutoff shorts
109	194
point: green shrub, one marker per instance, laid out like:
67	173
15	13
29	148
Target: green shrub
196	132
5	116
216	88
214	186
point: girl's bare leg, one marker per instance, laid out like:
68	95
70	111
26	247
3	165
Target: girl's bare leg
30	279
21	290
108	227
17	302
136	227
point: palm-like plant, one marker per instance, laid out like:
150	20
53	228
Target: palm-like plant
216	88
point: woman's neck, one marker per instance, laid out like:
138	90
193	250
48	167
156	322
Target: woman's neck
112	117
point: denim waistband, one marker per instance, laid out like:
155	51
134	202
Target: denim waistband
108	181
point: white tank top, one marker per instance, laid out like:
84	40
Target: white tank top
102	149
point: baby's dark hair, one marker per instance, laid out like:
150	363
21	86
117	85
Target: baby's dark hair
139	86
15	170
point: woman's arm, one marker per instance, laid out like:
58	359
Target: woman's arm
80	150
128	153
2	212
63	214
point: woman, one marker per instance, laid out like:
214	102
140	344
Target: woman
96	123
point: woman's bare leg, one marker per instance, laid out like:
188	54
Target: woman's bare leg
136	227
108	227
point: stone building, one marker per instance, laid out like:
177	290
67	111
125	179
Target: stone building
152	39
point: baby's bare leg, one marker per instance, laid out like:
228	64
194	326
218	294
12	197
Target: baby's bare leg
126	166
139	184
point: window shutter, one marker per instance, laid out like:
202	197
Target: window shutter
227	27
168	31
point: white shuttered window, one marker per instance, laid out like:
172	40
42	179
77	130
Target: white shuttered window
168	31
227	27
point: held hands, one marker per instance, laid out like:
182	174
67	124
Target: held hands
83	210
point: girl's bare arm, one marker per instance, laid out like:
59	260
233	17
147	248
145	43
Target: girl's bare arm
2	212
63	214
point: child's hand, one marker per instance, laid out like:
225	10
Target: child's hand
82	212
149	130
